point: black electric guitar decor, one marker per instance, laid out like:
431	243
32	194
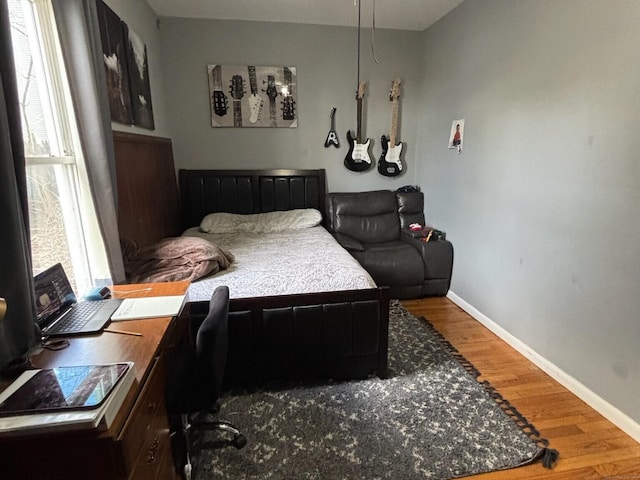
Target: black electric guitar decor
220	102
237	92
288	105
358	159
332	136
272	93
390	164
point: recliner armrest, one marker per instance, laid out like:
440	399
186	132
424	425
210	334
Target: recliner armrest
436	255
426	232
349	243
412	233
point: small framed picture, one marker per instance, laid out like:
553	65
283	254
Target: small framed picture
456	137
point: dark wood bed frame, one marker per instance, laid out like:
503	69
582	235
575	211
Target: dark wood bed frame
341	334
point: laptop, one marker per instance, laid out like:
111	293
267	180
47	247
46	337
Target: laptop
58	312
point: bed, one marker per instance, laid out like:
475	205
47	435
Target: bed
280	326
336	332
299	260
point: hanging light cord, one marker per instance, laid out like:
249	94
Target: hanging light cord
359	10
373	32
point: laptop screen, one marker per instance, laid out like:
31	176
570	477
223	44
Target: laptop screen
53	294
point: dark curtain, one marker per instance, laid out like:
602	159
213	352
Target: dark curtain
17	332
79	31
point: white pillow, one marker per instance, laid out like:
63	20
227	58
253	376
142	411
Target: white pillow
261	222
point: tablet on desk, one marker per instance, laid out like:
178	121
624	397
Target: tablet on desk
64	388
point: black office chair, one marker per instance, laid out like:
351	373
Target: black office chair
194	381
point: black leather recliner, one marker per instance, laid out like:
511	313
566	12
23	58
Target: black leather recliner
374	227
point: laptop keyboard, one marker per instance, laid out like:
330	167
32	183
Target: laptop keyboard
79	316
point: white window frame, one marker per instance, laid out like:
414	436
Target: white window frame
86	246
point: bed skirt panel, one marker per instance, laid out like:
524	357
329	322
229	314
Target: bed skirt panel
330	336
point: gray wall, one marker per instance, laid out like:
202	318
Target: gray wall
325	58
542	205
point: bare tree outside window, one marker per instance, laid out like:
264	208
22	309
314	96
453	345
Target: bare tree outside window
45	176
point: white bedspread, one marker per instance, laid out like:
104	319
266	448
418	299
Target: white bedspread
281	263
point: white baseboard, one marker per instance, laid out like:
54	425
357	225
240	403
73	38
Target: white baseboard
611	413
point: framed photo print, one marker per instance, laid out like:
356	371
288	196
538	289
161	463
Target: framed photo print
126	67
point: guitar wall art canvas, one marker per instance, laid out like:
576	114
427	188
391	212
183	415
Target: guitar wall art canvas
253	96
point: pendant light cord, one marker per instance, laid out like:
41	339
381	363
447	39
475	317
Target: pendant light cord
359	13
373	32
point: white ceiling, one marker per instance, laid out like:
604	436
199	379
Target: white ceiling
395	14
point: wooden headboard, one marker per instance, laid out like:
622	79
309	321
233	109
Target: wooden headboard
148	202
248	191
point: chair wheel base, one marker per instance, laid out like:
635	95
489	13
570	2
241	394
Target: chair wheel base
239	441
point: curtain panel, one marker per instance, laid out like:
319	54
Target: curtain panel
17	333
79	32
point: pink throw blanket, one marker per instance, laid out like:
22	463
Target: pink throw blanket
174	259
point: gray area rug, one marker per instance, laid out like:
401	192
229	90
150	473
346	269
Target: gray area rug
431	419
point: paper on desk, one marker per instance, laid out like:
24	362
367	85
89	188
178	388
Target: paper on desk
148	307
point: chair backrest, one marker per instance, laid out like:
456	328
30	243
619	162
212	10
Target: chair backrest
369	217
410	208
212	344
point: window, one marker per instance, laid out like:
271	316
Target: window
62	220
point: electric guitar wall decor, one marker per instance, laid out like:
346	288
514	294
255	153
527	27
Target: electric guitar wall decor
237	92
272	93
220	102
332	136
390	164
358	159
288	105
255	102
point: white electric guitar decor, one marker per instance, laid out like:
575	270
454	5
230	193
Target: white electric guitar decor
255	102
390	164
358	159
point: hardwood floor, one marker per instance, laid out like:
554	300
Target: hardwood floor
590	446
